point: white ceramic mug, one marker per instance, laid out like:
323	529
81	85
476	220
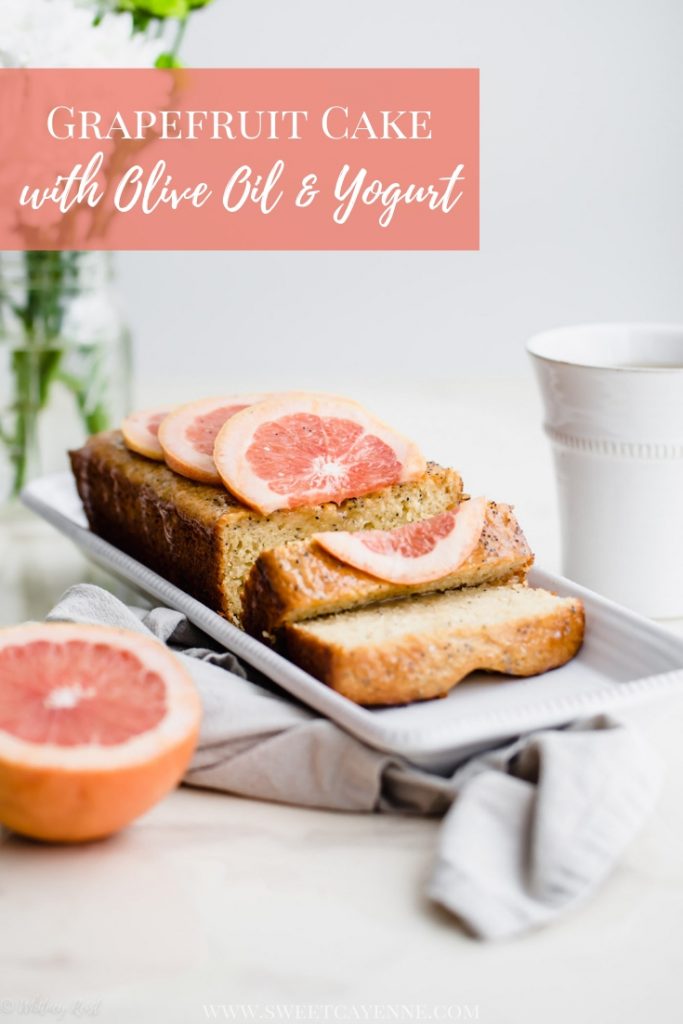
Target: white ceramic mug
613	396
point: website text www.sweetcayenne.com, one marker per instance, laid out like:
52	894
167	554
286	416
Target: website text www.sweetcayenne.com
341	1012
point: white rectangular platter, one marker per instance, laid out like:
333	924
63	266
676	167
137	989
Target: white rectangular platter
625	659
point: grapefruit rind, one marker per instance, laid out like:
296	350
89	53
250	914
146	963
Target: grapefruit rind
235	444
179	453
79	793
450	538
139	438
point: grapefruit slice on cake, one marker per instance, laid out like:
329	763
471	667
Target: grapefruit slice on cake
96	725
141	432
297	450
416	553
187	436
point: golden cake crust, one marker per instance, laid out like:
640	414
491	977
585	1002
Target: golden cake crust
169	524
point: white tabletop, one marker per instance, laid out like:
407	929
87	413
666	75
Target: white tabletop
283	913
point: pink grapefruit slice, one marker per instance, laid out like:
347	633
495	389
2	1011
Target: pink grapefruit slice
415	553
188	435
96	725
295	450
141	432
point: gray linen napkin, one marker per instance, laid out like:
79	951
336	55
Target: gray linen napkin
530	829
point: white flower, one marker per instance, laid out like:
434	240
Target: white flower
61	34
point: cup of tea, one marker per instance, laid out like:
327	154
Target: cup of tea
613	398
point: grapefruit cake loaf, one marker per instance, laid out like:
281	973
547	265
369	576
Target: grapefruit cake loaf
316	527
205	538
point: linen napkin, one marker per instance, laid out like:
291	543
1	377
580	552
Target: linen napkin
529	829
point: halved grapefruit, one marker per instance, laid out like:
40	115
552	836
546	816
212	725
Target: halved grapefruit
416	553
141	432
303	449
96	725
187	436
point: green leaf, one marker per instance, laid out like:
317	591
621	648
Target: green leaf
167	60
157	8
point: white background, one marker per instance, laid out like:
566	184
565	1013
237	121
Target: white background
582	174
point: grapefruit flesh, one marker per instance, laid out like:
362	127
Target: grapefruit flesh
297	450
416	553
96	725
187	436
141	432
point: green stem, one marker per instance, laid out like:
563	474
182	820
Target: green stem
35	364
179	36
95	418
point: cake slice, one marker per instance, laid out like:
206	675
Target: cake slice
415	649
301	580
203	539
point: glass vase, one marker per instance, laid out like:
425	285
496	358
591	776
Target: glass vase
65	361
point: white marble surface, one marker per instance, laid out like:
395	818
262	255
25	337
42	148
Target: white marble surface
272	910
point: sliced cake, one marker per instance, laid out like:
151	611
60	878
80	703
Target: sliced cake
416	649
302	580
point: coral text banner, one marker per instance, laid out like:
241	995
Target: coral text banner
239	159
